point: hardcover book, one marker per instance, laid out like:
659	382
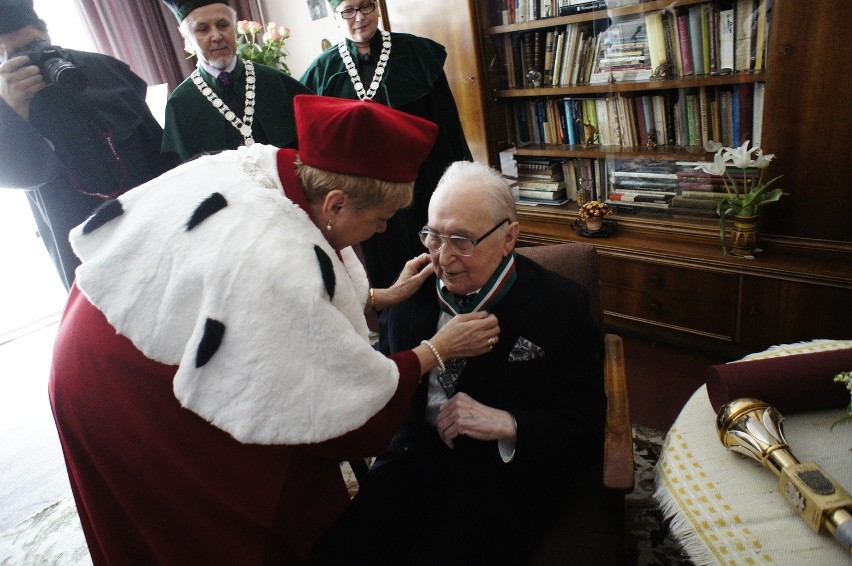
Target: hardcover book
726	40
685	41
541	195
695	39
742	34
540	185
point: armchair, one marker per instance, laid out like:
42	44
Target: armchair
578	262
595	516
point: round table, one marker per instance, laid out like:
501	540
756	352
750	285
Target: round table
725	508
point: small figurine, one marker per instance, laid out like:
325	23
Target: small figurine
535	78
652	138
663	71
590	133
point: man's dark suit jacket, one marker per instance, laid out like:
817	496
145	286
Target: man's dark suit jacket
558	401
425	503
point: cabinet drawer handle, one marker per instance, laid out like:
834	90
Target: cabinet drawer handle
654	308
656	280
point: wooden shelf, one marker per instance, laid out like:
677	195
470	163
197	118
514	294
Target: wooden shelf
614	151
694	242
589	16
633	86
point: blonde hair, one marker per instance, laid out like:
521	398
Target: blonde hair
363	192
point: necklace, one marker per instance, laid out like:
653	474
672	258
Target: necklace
380	67
244	125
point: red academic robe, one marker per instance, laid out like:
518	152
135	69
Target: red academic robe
156	483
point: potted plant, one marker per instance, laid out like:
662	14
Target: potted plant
594	212
742	172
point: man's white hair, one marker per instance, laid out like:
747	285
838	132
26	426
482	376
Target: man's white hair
499	194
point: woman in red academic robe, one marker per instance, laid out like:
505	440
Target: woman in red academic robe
213	363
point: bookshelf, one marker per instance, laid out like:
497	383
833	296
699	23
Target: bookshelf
664	276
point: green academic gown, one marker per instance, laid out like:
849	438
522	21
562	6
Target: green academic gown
414	82
194	126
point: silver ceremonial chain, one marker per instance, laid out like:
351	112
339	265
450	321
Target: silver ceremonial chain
244	125
380	67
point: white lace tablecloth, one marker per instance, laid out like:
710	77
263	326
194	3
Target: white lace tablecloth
725	508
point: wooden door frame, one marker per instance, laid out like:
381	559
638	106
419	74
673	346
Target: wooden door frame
383	10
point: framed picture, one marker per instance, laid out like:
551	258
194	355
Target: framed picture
318	9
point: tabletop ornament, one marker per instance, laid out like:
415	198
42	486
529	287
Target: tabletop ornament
754	428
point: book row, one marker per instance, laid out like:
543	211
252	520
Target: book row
517	11
664	186
695	40
681	117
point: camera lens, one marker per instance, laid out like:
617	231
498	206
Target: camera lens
65	73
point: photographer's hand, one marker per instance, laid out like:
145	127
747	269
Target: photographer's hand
19	82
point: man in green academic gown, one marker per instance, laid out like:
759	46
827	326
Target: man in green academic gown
405	72
226	102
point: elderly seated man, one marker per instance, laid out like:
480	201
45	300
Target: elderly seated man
493	447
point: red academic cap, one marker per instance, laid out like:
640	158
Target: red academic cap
362	138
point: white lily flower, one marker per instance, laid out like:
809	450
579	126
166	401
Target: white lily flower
762	160
718	167
741	156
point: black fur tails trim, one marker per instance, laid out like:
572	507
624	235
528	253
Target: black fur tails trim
210	342
107	211
327	270
208	207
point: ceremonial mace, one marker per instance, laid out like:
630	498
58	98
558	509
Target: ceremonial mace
753	427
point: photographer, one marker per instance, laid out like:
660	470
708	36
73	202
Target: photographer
74	129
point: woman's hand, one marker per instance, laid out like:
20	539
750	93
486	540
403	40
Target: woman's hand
467	336
463	416
415	272
464	336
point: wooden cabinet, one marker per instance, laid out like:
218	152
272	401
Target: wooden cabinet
678	299
666	277
776	311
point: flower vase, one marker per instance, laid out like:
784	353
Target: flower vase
744	235
594	224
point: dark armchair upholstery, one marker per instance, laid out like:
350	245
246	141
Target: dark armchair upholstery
601	525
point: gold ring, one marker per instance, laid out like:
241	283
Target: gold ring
492	341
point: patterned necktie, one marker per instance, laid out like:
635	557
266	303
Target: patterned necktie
224	79
448	380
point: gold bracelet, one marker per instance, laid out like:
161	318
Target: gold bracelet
436	354
373	299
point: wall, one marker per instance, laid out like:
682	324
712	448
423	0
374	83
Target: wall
305	42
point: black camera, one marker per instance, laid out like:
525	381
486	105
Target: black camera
55	64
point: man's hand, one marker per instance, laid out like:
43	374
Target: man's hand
463	416
19	82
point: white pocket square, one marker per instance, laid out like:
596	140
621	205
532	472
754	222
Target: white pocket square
524	350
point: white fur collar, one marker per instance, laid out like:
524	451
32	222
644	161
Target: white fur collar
293	366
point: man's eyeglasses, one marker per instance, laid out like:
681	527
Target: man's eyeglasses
349	13
459	244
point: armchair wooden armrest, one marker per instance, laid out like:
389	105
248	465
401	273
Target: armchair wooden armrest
618	440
